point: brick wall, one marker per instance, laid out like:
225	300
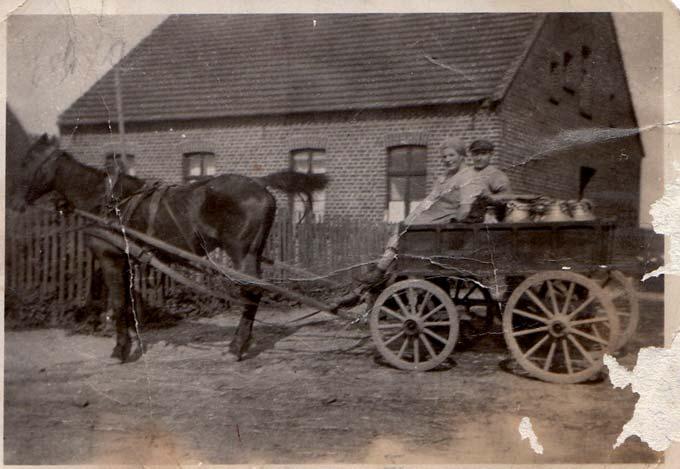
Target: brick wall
546	142
356	147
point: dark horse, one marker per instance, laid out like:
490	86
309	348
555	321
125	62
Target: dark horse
231	212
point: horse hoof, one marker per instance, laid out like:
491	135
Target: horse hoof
122	353
234	352
135	355
229	357
117	353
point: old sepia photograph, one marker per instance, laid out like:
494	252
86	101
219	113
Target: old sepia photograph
286	238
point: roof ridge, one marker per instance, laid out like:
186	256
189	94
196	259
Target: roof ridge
513	70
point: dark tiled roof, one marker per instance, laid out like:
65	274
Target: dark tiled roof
195	66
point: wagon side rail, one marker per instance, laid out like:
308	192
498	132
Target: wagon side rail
508	248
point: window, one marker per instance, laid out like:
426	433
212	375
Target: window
612	110
198	165
406	180
309	161
571	76
576	78
585	98
115	162
555	82
586	173
585	101
585	52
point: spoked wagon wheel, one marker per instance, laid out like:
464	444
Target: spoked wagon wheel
623	293
414	325
558	325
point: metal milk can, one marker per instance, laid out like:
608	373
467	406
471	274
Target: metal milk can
556	210
490	215
582	210
517	212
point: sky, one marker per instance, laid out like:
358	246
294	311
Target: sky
52	60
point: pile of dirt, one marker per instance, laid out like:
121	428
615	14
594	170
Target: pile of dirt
31	312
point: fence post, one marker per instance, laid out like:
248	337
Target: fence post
89	266
12	246
54	255
80	261
42	233
62	262
71	243
28	236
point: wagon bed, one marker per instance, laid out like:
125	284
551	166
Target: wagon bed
563	297
510	248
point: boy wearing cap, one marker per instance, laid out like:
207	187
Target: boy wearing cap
481	182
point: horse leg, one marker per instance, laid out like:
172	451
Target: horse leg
115	278
134	315
239	345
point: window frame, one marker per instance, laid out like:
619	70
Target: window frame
127	160
311	152
408	174
186	177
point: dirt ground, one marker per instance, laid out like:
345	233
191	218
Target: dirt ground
311	392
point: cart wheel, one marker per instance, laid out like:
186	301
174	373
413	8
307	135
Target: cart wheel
558	325
414	325
623	293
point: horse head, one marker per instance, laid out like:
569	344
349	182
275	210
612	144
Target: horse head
38	169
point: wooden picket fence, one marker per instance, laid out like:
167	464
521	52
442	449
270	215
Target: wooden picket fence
46	256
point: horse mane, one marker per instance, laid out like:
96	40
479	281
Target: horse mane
101	172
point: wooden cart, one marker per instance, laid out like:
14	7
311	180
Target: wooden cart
563	298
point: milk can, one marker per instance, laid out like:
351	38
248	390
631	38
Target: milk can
582	210
556	210
490	215
517	212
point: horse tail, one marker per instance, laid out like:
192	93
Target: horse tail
294	183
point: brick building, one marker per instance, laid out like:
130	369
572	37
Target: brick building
367	99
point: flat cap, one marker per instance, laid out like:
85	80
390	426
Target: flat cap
481	146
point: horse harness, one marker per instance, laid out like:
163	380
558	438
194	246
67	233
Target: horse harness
155	193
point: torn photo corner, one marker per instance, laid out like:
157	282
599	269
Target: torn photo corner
370	234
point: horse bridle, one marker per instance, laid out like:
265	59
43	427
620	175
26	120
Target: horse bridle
53	155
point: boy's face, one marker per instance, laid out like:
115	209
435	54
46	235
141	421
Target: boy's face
481	159
452	158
